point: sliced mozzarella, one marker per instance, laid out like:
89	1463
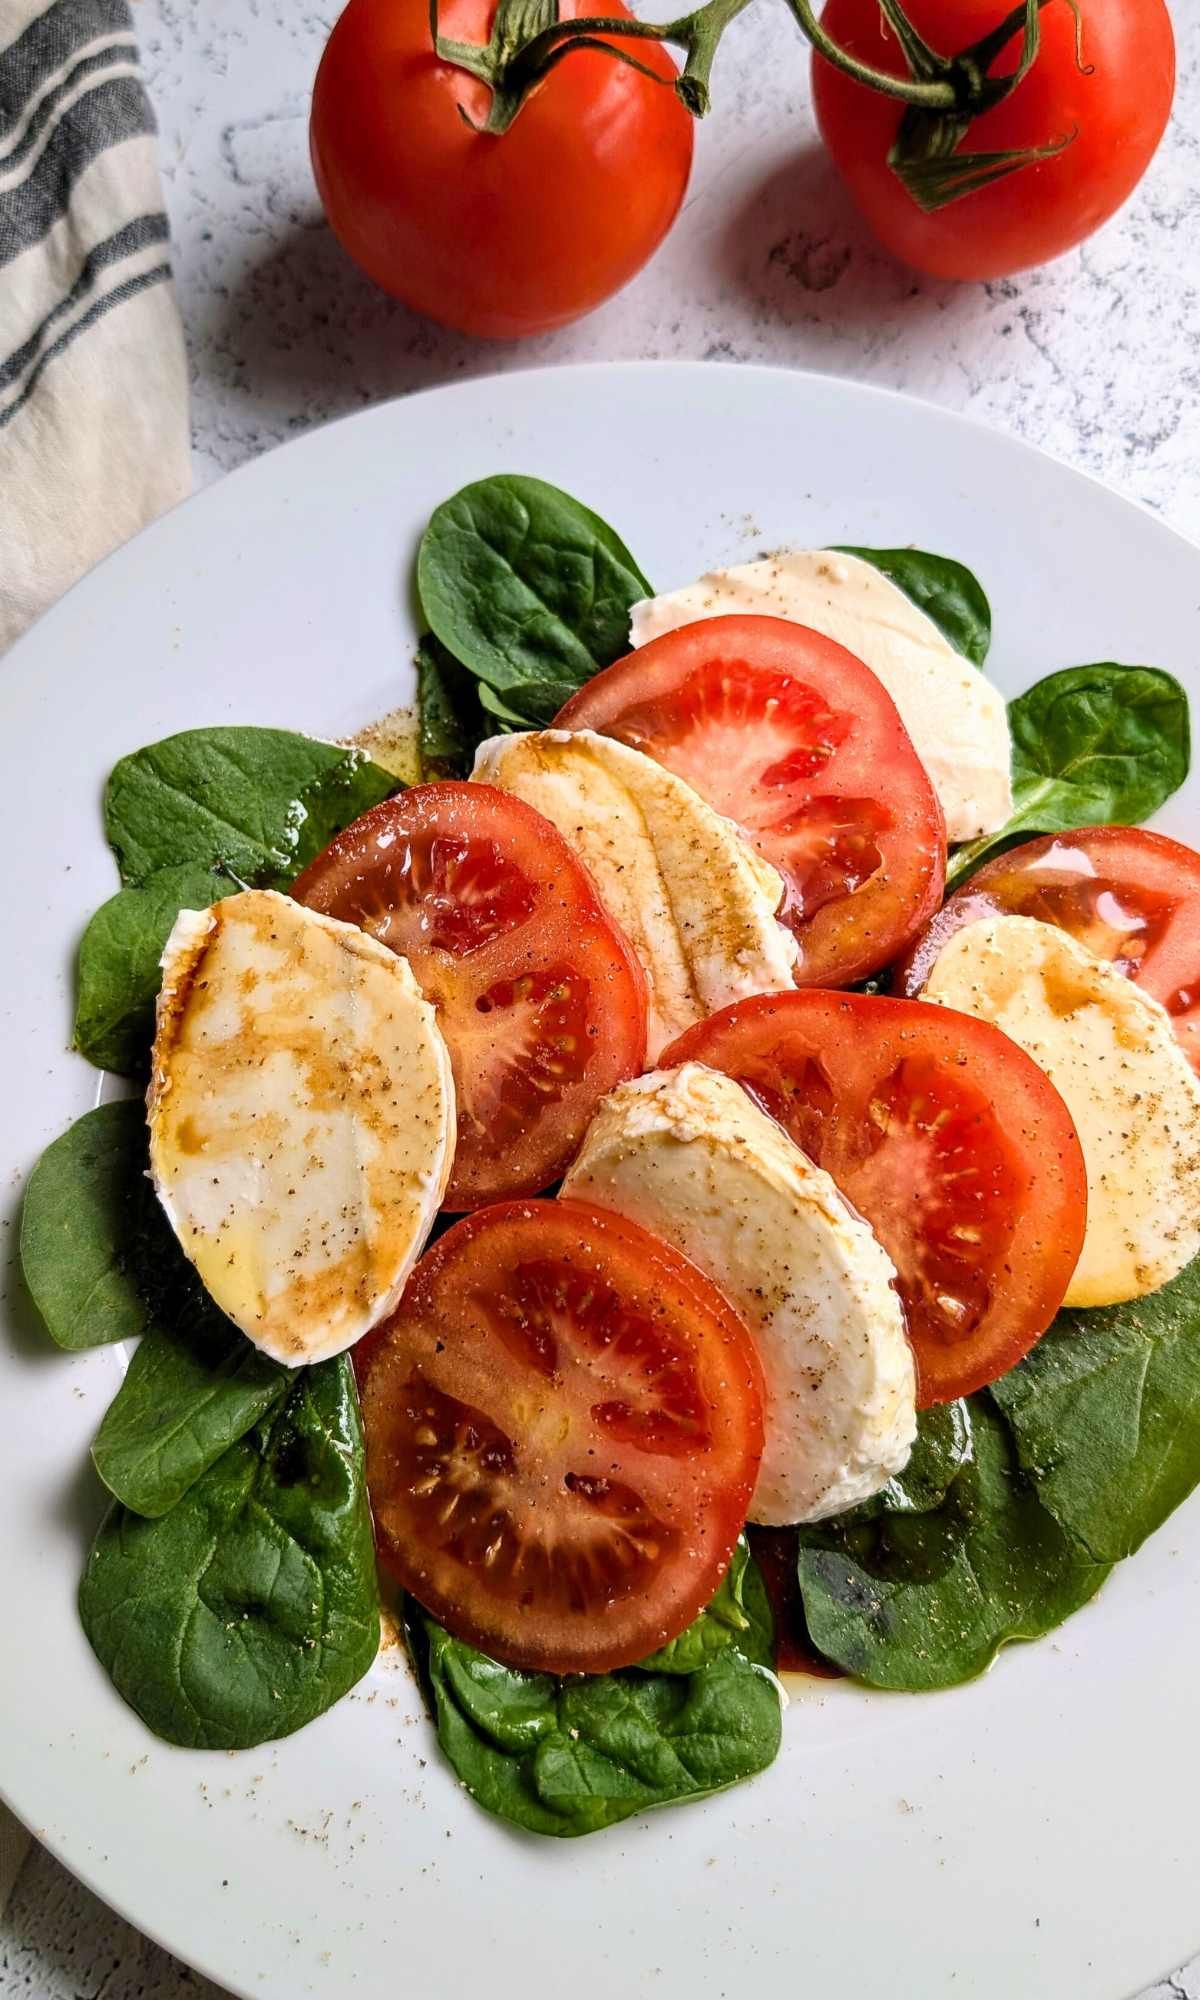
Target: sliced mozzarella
693	897
956	718
1110	1051
687	1154
301	1119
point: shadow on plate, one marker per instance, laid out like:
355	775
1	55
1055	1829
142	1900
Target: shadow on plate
80	1505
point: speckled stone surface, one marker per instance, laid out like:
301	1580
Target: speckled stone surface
1097	358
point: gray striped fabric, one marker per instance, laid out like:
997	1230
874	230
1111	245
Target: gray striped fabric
93	395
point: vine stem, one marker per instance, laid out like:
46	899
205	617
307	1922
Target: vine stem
929	93
697	34
941	94
511	72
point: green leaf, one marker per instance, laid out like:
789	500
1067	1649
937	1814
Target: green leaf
192	819
81	1225
1092	746
450	718
946	591
943	1446
569	1757
738	1615
441	705
1097	744
1105	1411
532	705
194	1387
524	584
119	970
259	803
252	1606
919	1601
102	1264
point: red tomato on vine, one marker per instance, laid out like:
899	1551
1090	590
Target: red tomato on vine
1104	79
495	233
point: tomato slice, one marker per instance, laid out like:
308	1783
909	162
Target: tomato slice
564	1425
951	1142
539	995
1130	896
787	733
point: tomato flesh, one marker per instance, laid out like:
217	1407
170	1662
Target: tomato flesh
495	234
539	995
787	733
1129	896
950	1141
564	1424
1113	93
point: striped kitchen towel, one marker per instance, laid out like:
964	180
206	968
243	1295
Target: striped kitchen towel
93	381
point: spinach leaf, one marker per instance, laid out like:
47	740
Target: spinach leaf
451	721
1105	1411
194	1387
192	819
119	971
251	1606
919	1601
524	584
259	803
738	1615
81	1226
569	1757
944	590
534	704
102	1264
943	1446
1091	745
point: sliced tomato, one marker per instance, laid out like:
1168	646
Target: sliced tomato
1130	896
564	1425
787	733
539	995
951	1142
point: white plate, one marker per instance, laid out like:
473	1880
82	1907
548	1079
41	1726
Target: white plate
1031	1834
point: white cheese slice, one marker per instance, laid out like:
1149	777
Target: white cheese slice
302	1119
1111	1053
956	717
688	1155
693	897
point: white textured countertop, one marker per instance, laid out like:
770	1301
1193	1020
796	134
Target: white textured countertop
1096	358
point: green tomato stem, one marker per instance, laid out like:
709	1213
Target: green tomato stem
931	93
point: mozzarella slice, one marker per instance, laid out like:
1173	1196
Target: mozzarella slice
956	718
693	897
687	1154
1110	1051
301	1119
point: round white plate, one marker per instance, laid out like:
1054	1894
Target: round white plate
1034	1833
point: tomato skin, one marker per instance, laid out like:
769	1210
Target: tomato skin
782	730
1129	895
1118	104
563	1427
953	1145
539	995
501	235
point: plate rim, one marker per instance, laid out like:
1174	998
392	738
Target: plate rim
814	378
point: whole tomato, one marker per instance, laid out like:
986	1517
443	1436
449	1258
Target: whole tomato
1113	92
495	234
